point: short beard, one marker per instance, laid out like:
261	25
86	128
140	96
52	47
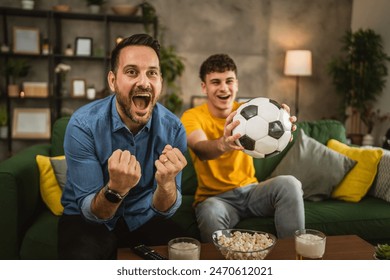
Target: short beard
126	108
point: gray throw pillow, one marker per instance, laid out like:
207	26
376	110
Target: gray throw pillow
59	167
319	168
381	186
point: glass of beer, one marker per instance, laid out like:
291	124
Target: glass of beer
309	244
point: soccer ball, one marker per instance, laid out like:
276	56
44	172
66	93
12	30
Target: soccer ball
264	126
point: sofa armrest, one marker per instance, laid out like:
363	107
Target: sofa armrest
20	199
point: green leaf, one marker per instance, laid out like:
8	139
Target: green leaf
382	251
359	73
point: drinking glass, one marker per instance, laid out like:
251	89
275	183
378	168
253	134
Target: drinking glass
309	244
184	248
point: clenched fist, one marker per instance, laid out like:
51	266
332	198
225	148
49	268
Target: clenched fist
124	170
169	164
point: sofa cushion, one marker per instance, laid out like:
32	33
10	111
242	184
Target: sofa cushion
59	168
357	182
324	130
381	187
321	130
369	218
50	189
40	240
319	168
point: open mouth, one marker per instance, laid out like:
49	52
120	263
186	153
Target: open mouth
224	97
142	100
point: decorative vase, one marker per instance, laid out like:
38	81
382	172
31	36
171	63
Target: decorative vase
62	69
64	92
368	140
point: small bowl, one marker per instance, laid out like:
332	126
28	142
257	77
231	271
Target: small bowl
249	251
125	10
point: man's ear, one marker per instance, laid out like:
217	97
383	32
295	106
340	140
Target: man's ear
203	87
111	80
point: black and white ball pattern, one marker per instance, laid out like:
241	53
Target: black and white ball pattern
264	127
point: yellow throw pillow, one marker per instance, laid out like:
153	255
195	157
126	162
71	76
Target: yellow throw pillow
357	182
50	189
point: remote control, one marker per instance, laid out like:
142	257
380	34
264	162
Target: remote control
147	253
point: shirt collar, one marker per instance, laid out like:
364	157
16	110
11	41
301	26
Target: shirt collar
117	122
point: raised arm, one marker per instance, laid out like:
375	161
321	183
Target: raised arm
207	149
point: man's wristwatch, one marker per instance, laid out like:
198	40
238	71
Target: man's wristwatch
111	195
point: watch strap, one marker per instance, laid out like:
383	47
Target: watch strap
113	196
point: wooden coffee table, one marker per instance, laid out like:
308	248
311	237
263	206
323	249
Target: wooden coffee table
341	247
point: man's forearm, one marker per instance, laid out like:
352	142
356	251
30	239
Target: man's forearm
209	149
165	197
102	208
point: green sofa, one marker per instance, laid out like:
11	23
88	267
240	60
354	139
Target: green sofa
29	229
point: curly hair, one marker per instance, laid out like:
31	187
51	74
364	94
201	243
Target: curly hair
217	63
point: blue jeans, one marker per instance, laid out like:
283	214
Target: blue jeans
280	197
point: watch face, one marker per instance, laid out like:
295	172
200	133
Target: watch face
111	197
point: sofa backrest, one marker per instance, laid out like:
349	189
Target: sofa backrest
322	131
58	134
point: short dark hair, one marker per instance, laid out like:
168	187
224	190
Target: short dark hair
134	40
217	63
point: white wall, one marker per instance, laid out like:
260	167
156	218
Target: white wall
375	15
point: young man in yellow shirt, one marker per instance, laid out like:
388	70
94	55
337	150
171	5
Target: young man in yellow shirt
228	190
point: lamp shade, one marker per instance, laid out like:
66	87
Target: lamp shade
298	63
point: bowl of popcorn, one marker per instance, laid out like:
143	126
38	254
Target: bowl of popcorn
242	244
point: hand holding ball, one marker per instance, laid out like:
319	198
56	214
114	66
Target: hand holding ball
264	126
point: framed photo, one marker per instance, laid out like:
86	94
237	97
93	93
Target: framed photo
78	88
26	40
197	100
83	46
31	123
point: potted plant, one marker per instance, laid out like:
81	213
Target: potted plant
172	67
95	5
15	68
3	121
148	14
359	73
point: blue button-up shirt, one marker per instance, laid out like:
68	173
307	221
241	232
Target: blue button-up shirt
94	132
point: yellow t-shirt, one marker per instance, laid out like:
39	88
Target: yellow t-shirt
230	170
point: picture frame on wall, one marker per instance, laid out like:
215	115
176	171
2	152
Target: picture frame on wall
31	123
78	88
83	46
26	40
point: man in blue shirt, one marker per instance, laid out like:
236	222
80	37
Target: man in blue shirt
125	156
